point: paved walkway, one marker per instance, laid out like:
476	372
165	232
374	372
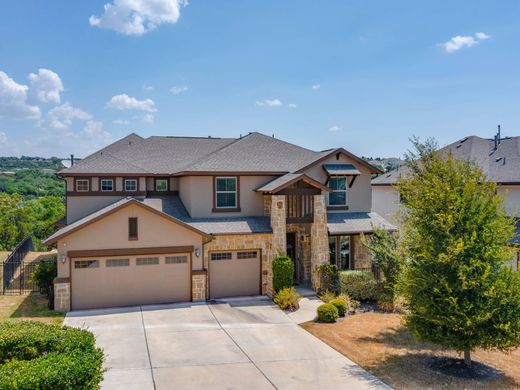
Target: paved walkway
234	345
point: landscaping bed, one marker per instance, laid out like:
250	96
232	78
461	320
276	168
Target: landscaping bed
379	343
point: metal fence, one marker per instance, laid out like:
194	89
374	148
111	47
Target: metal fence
17	275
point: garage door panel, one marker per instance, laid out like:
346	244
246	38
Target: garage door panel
234	273
113	283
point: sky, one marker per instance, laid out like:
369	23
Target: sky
363	75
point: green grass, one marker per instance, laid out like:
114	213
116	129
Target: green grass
28	307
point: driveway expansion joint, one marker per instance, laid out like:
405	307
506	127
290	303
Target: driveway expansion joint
147	348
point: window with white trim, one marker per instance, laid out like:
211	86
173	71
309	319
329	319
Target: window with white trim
107	185
161	185
86	264
246	255
82	185
118	262
147	261
226	194
221	256
130	185
338	195
175	259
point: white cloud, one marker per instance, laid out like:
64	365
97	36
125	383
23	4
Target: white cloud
147	87
460	41
269	102
61	117
292	105
46	86
120	122
482	36
3	138
177	89
125	102
148	118
13	100
137	17
335	128
316	86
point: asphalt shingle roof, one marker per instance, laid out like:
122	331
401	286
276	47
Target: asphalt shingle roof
501	165
354	223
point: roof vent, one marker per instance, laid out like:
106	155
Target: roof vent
458	146
498	159
464	140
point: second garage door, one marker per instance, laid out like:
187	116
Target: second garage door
130	280
234	273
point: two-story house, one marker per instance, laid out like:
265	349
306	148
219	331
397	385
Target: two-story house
498	157
175	219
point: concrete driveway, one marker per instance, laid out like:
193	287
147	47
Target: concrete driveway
234	345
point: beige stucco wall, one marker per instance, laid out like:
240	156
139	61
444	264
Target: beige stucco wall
196	192
111	232
359	195
81	206
512	199
385	202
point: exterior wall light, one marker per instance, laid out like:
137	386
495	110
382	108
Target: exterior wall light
63	258
197	252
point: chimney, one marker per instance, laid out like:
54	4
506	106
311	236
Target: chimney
71	160
498	135
495	148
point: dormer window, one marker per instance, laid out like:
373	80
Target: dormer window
107	185
130	185
338	195
226	193
161	185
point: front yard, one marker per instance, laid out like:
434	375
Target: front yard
380	344
27	307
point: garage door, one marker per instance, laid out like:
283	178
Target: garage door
234	273
127	280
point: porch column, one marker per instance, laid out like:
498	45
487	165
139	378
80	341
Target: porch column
319	239
279	240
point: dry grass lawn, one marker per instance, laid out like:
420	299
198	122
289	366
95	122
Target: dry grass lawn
379	343
27	307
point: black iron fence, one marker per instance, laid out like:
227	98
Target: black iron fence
17	278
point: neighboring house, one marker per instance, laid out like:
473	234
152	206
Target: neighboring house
174	219
499	158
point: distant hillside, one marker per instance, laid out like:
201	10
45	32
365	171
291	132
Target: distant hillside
385	163
25	162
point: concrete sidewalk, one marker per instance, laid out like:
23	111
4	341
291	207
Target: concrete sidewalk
235	345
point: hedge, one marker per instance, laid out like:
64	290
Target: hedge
341	305
34	355
360	285
283	273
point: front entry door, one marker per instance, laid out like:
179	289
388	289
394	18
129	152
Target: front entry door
291	252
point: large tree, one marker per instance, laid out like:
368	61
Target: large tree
455	235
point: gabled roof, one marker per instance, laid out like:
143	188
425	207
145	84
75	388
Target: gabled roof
254	153
112	208
501	165
286	180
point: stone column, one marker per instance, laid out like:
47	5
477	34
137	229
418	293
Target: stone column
279	244
319	239
62	295
198	286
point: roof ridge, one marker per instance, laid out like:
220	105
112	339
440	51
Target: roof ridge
126	161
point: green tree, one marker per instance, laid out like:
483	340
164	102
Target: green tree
461	293
386	255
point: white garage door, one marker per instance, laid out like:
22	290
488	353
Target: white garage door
234	273
130	280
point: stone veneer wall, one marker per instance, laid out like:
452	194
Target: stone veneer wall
261	241
362	255
62	295
198	286
267	205
319	239
278	224
303	246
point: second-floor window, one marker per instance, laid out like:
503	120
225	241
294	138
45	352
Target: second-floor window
338	195
226	196
130	185
82	185
107	185
161	185
132	228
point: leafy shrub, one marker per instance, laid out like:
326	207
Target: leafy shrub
327	313
326	296
34	355
328	277
360	285
341	305
353	306
283	273
287	299
386	303
44	274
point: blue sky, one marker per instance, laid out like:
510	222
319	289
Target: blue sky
365	75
